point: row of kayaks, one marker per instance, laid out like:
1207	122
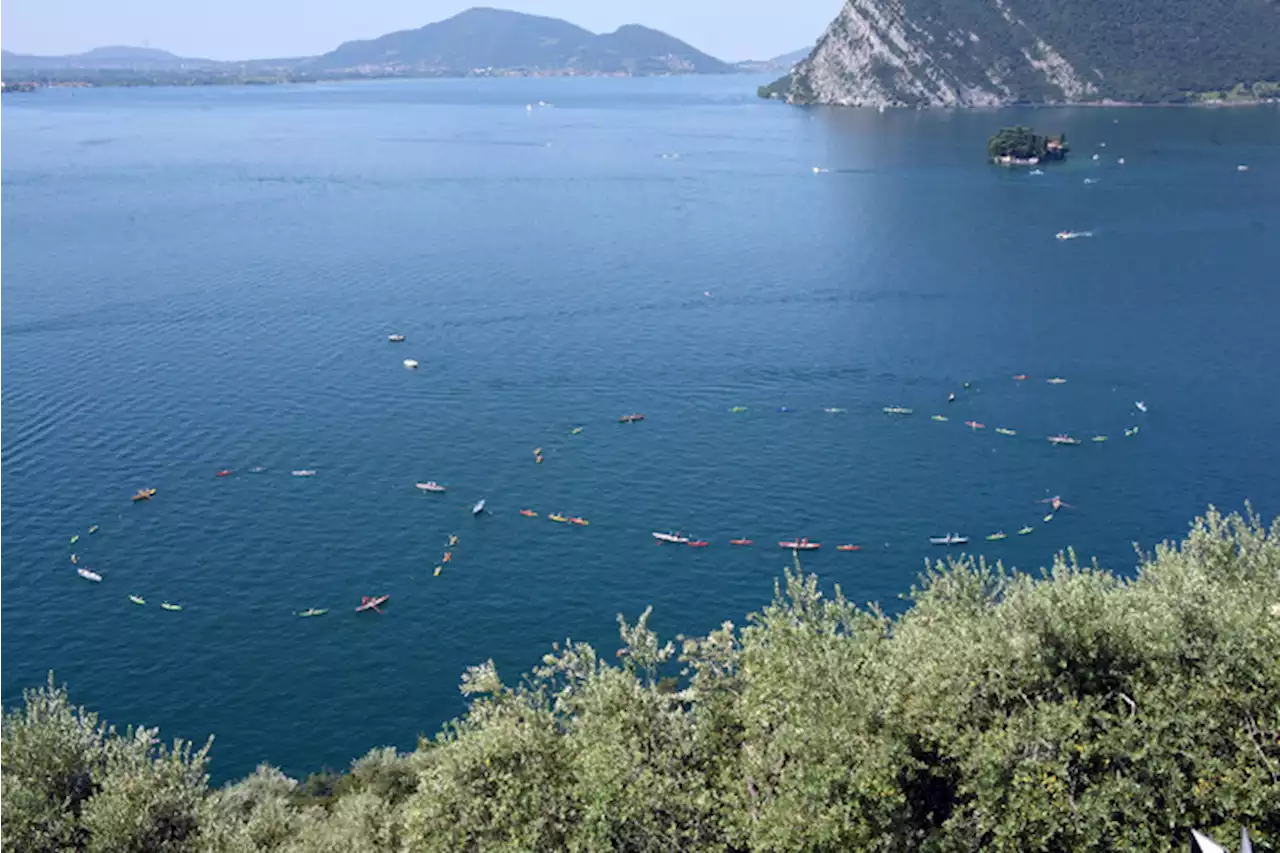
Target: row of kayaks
558	517
801	544
957	539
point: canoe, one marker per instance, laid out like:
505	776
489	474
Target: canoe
137	599
311	611
167	606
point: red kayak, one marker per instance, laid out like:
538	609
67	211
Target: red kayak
699	543
741	542
848	547
225	472
974	425
368	603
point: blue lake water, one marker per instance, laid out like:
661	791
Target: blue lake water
204	279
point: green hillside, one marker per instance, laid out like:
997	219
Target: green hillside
1071	711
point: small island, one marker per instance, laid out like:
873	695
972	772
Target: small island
1022	146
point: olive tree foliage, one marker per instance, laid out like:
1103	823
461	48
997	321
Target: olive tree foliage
1076	710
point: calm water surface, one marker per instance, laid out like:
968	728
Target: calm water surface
199	280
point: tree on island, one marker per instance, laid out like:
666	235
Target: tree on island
1022	145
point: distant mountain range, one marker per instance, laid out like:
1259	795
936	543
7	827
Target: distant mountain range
480	41
785	62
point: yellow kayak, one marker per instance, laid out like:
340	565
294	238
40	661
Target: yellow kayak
555	516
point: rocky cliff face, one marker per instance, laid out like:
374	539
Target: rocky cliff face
943	53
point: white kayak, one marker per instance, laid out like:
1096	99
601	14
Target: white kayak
478	508
949	539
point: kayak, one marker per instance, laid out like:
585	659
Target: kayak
528	513
1049	517
74	559
848	547
1020	376
143	495
430	486
834	411
167	606
93	529
800	545
396	339
1024	531
478	508
137	599
949	539
741	542
448	555
940	418
1099	438
897	410
311	611
555	516
575	430
1130	433
1004	431
697	543
1057	380
996	537
630	419
89	575
303	472
453	539
974	425
371	603
225	472
737	410
581	522
436	573
1063	440
75	539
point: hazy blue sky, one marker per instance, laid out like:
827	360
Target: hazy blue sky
249	29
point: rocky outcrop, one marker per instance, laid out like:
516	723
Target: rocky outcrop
937	53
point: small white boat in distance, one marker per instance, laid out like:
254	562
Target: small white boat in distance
303	472
410	363
674	538
478	508
430	486
1140	406
949	539
89	575
396	339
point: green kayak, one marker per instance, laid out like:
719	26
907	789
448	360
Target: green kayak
1024	531
1129	433
1004	431
940	418
737	410
313	612
75	539
93	529
1049	517
575	431
167	606
1099	438
996	537
137	599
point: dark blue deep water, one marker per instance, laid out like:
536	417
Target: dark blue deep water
205	279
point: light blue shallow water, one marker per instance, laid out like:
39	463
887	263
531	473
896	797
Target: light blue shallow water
197	280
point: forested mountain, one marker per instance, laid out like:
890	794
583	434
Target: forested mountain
485	38
988	52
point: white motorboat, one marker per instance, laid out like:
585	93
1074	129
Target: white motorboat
949	539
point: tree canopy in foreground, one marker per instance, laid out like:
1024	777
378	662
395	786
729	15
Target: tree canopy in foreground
1074	711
